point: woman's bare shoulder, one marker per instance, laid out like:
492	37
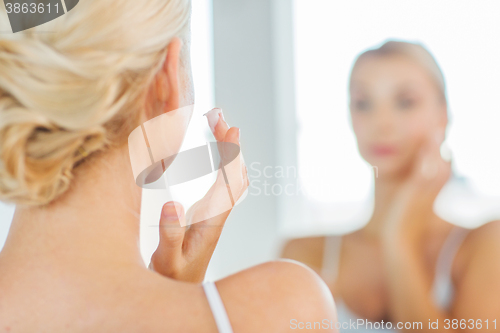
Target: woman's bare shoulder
477	272
308	250
479	238
271	297
481	241
263	298
112	299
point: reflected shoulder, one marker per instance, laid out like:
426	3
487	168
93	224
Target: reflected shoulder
477	273
483	239
481	248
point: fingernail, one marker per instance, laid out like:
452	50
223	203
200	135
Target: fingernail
213	118
170	212
221	115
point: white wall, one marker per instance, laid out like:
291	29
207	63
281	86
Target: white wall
254	84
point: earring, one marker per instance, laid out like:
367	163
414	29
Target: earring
83	152
446	152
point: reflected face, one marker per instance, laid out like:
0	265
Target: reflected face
395	106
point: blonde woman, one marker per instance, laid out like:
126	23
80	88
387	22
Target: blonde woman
71	262
406	265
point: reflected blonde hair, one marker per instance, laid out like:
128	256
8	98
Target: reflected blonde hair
415	52
77	89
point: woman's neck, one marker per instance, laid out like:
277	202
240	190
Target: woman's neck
96	221
385	191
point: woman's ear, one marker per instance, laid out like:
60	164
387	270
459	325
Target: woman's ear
164	93
170	73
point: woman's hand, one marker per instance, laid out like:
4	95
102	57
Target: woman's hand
413	204
188	240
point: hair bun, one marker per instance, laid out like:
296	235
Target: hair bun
36	162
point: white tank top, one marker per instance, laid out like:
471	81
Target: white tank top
442	290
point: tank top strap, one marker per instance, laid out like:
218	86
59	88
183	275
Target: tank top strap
442	289
217	307
331	258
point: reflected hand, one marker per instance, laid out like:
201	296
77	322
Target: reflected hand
186	247
415	200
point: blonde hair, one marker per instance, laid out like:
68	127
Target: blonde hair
416	52
77	89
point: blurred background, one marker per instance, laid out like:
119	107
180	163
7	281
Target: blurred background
279	69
